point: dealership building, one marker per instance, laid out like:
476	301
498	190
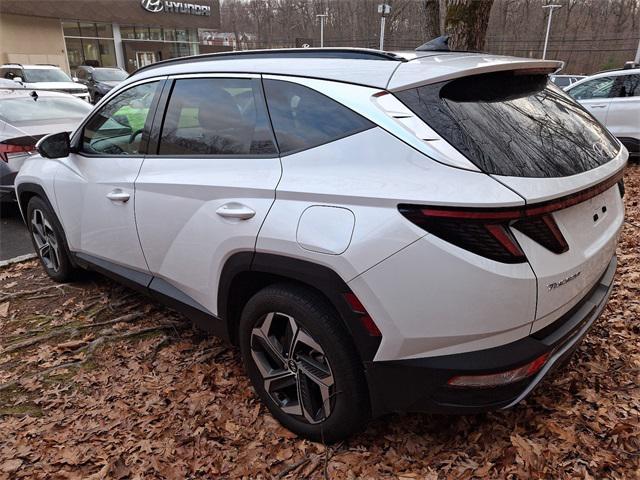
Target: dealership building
125	33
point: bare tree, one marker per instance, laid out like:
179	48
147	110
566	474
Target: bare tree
466	21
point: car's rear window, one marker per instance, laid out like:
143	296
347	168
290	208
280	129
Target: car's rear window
513	124
18	111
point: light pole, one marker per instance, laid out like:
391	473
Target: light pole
546	37
322	16
383	10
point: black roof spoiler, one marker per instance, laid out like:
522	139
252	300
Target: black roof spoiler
438	44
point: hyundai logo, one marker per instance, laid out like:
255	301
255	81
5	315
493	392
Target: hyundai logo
599	149
153	6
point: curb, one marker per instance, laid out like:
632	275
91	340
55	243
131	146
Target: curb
21	258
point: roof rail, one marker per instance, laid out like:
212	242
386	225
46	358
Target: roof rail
46	65
12	63
337	53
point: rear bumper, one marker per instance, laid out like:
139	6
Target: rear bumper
420	385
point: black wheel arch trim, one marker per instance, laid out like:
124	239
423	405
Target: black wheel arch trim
243	265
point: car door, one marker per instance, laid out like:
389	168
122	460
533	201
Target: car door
95	190
205	190
623	118
595	96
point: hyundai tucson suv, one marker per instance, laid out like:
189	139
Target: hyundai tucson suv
378	232
43	77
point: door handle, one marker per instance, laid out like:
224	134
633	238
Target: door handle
598	106
235	210
118	195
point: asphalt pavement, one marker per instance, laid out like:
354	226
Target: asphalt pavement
14	237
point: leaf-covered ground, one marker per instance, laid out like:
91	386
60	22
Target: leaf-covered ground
98	382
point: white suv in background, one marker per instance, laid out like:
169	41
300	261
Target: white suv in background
613	97
378	232
43	77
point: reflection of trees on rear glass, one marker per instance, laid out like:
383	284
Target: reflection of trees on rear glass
514	125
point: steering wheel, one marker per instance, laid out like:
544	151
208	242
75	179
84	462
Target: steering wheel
133	136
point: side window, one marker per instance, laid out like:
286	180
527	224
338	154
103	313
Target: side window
628	85
117	129
304	118
596	88
216	116
9	73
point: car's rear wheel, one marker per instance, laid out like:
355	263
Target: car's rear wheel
49	241
302	363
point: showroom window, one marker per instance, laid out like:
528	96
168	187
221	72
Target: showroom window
89	43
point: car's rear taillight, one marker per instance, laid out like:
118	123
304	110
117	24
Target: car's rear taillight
7	149
501	378
487	232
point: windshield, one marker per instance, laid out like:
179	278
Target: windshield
21	111
33	75
514	124
109	75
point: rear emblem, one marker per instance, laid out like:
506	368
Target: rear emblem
599	149
564	281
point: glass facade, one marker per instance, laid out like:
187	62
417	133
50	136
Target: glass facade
143	44
89	44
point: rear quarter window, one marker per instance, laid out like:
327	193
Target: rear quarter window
513	125
304	118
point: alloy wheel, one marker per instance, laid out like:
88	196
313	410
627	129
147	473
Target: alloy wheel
46	240
295	371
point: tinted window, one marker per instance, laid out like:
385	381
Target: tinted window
26	110
109	75
303	118
517	125
216	116
118	127
9	73
562	81
628	85
596	88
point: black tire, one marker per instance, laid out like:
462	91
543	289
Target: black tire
55	259
346	408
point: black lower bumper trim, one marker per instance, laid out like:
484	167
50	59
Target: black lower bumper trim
420	385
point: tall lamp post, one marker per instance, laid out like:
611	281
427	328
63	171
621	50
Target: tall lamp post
383	10
546	37
322	16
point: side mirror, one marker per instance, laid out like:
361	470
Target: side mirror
55	145
75	79
17	79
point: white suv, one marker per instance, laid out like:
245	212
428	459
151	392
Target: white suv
43	77
378	232
613	97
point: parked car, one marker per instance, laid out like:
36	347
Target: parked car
99	80
433	231
613	97
25	117
565	80
43	77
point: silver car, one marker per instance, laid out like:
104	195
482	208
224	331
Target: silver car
25	117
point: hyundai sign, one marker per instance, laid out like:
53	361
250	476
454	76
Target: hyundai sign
166	6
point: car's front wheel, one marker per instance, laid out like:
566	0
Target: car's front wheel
302	363
48	241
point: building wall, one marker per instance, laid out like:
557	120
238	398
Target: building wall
26	39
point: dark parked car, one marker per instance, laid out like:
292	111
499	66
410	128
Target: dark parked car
99	80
